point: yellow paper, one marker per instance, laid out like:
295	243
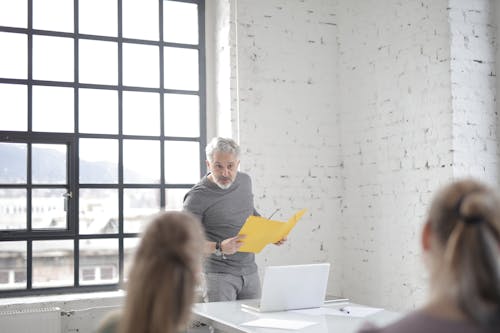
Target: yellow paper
260	231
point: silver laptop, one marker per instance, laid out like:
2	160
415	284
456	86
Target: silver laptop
291	287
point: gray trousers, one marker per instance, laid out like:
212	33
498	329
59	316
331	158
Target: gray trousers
228	287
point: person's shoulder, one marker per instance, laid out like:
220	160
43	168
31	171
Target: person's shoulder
369	327
419	321
404	324
198	198
244	177
195	195
109	323
199	188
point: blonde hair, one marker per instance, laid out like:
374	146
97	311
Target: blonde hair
162	281
465	216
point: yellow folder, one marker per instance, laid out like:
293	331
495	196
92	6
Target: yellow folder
260	231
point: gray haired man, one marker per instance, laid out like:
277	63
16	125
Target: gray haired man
223	200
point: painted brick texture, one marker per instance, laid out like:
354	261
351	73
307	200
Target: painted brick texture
288	125
474	89
359	111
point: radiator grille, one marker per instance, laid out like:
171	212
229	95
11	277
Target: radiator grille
43	320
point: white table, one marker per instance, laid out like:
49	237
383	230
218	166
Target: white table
228	317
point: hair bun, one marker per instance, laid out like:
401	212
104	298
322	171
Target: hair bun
474	207
471	220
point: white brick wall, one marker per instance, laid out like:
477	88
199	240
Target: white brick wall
396	133
359	111
496	20
288	123
474	89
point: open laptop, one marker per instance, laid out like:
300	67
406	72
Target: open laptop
291	287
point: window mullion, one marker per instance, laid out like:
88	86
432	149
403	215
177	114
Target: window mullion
92	87
121	256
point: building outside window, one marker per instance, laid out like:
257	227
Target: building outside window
102	125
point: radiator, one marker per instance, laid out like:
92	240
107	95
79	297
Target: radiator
43	320
84	320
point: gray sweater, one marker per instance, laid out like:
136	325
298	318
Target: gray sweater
223	213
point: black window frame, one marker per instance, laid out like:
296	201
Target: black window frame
71	140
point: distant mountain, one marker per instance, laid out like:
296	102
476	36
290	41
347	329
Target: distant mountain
48	166
12	163
98	172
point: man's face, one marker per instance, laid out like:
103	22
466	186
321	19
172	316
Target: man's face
223	168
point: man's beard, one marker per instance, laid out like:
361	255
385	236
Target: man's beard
223	186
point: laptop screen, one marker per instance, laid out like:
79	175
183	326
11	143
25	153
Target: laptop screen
294	287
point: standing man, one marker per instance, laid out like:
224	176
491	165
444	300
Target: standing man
223	200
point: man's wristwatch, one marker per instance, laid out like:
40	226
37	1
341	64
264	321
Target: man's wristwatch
218	249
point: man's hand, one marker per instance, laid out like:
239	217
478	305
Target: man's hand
232	245
281	241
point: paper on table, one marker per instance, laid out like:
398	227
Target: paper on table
354	311
260	231
279	323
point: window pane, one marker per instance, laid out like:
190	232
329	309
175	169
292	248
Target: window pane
48	164
98	211
98	104
47	209
53	263
14	110
140	19
87	274
96	254
182	162
182	115
139	206
56	15
53	109
141	161
13	163
141	65
14	55
53	58
174	198
13	265
180	22
98	17
13	13
107	272
98	161
13	209
129	248
98	62
181	68
4	277
141	113
20	276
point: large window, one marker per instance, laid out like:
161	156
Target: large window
102	125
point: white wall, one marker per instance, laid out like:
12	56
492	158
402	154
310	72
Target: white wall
496	20
396	137
359	111
288	126
474	88
219	69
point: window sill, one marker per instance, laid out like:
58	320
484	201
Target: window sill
66	302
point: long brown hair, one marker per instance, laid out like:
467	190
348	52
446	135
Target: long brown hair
465	216
162	281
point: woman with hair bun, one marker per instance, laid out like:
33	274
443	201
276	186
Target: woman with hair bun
461	245
166	270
